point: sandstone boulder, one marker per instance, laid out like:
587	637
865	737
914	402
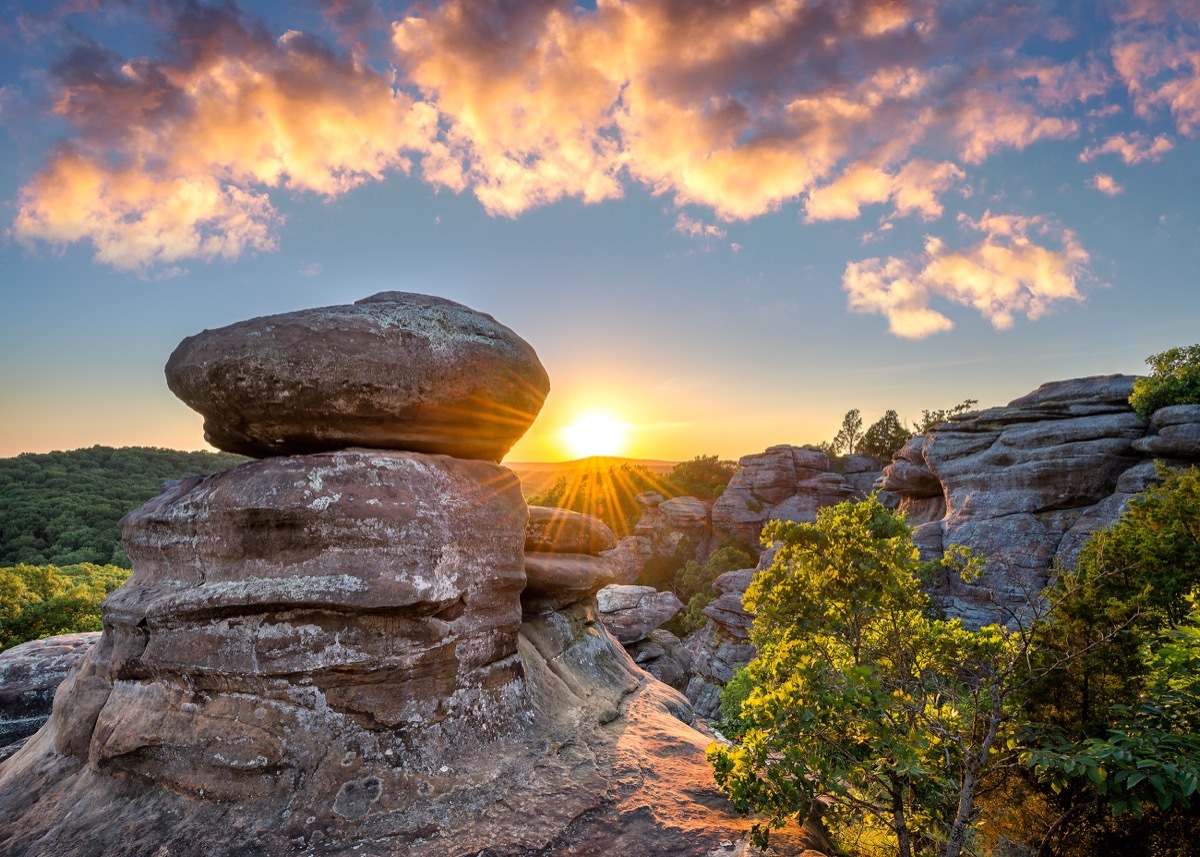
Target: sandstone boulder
556	580
393	371
631	613
722	645
664	656
563	531
29	675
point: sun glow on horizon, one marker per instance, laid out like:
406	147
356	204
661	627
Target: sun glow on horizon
595	433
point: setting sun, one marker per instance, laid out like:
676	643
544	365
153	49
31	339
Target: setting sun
595	433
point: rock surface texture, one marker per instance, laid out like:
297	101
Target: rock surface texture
351	651
631	612
393	371
29	675
1027	483
785	483
722	645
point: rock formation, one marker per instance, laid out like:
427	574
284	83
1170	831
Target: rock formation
393	371
355	650
785	483
29	675
722	645
634	615
1027	483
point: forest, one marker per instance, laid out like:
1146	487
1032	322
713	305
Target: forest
62	508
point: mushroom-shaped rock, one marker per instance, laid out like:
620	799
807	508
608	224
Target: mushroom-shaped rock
393	371
564	531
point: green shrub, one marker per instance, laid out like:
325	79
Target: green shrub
1174	380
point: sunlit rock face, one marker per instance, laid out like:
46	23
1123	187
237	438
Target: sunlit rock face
1026	484
564	531
393	371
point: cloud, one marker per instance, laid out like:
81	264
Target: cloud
739	108
692	228
1132	149
1003	274
310	269
1105	183
914	189
174	157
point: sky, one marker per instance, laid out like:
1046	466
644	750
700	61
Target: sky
721	223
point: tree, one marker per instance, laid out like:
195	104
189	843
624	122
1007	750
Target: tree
1116	729
885	437
1174	380
857	696
704	476
849	434
693	585
931	418
41	601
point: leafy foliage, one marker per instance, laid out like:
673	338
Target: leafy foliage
693	585
703	477
1117	699
885	437
931	418
858	695
1174	380
41	601
62	508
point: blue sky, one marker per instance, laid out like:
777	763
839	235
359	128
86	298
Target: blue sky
723	224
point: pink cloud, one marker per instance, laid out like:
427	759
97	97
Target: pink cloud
1132	149
692	228
1105	183
1003	274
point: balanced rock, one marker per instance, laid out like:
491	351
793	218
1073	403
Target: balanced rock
564	531
723	644
393	371
631	613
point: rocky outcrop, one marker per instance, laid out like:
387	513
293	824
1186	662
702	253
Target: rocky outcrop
677	529
630	613
352	651
393	371
787	483
664	656
1025	484
722	645
29	675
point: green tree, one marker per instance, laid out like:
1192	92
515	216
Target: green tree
885	437
693	585
41	601
858	697
1174	379
931	418
704	477
1110	700
848	436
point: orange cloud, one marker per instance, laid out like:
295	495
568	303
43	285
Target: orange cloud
914	189
174	157
741	108
1004	274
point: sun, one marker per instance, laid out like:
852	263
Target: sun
595	433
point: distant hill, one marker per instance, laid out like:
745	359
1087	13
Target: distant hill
536	477
62	508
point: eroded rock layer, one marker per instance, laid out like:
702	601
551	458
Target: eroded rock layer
280	605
